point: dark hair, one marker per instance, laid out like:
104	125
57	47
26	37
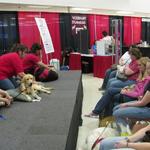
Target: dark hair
134	46
18	47
136	52
35	47
104	33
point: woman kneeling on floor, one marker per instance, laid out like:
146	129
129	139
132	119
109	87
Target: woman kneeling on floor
32	64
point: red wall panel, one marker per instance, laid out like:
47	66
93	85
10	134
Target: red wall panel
29	32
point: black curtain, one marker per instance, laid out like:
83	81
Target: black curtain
8	30
69	40
65	31
146	31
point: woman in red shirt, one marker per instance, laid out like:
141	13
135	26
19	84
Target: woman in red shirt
10	66
32	64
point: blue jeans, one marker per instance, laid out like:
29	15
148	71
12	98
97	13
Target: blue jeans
137	113
114	82
8	83
109	143
108	75
105	100
120	98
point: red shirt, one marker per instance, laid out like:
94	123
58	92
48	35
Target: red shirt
134	67
30	61
10	65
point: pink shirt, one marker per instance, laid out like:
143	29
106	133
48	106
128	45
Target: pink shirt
139	88
10	65
30	61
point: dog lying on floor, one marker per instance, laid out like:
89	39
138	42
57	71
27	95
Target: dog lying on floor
103	132
29	87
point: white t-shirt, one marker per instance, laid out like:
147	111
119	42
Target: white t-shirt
108	41
125	59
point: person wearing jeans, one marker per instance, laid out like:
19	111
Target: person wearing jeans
133	142
104	102
111	72
131	71
137	110
108	75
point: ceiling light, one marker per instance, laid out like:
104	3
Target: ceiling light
125	12
38	6
81	9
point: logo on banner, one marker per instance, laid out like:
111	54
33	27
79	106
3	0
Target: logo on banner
79	22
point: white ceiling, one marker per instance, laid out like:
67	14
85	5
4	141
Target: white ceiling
101	9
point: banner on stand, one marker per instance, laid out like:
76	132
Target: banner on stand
45	35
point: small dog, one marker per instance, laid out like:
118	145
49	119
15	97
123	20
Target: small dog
30	88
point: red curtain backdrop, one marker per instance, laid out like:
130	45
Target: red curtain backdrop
97	24
29	32
132	30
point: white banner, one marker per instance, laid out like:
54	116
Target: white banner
45	35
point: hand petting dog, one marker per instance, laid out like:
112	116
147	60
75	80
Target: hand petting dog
5	98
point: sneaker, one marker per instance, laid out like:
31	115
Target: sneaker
92	115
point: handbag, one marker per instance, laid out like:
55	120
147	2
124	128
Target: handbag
120	72
121	76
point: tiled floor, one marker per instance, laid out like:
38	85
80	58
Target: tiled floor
91	96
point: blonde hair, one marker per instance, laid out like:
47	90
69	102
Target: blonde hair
146	72
143	61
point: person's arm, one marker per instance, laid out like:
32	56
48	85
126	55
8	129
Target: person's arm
129	141
143	102
2	92
21	74
136	146
5	101
43	65
5	94
139	146
128	71
139	134
128	89
5	97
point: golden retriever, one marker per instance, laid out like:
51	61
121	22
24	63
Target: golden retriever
30	87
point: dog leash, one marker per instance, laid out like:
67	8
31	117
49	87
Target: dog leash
21	92
99	138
